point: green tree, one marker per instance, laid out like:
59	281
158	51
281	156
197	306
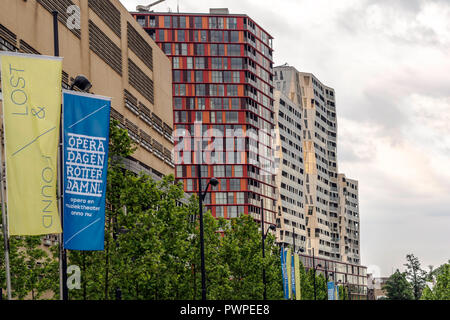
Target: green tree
242	253
343	293
397	287
306	287
427	294
415	275
441	289
33	269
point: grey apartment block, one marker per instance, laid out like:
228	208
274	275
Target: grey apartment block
330	232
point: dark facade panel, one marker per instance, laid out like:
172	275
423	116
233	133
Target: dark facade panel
108	13
139	46
26	48
105	48
8	36
140	81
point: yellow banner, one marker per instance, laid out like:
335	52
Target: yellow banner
297	277
289	271
31	88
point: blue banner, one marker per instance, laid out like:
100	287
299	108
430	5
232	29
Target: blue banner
86	139
331	290
293	277
285	275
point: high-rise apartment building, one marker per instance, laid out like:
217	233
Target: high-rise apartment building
290	219
222	91
349	219
330	200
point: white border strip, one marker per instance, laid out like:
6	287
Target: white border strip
27	55
84	94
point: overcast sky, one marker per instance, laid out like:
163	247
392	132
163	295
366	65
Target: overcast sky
389	62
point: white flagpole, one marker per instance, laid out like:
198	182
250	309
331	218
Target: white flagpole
5	225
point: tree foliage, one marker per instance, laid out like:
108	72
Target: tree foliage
441	289
397	287
415	275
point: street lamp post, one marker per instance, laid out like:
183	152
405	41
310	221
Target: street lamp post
201	195
314	268
263	238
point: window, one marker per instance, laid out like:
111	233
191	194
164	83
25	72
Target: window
213	23
198	76
238	171
232	90
216	63
189	185
220	23
200	90
203	36
182	89
189	63
198	22
226	103
232	23
176	62
236	77
184	49
219	212
167	48
200	63
200	49
167	22
216	76
234	36
201	105
227	76
216	103
234	50
181	35
240	199
234	103
221	197
176	76
183	22
230	199
216	36
141	20
218	117
219	171
236	63
179	171
231	117
235	184
216	90
161	35
178	103
232	211
217	49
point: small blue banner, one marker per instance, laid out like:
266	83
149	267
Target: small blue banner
86	139
293	277
285	275
331	290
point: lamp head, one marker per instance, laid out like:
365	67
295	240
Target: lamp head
272	227
214	182
82	83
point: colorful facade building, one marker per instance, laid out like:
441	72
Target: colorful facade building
223	106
